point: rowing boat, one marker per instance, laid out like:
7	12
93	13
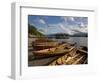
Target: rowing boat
76	56
60	50
44	45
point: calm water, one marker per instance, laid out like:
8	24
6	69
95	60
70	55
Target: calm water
81	41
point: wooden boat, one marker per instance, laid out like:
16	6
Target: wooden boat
44	45
60	50
79	57
41	44
62	59
38	40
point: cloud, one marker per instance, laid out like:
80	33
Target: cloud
42	21
64	28
66	19
32	24
42	30
78	29
80	21
67	30
72	29
82	24
70	25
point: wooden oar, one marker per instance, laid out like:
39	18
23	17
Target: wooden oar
71	58
82	51
76	62
85	61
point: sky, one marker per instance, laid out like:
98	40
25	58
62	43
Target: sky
59	24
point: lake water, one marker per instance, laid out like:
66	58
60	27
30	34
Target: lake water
81	41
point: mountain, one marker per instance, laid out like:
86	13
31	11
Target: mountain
65	35
33	31
58	35
80	34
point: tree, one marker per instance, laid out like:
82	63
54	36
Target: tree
32	30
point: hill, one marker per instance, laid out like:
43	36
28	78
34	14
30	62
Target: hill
33	31
65	35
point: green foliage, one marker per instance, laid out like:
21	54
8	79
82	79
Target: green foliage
32	30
